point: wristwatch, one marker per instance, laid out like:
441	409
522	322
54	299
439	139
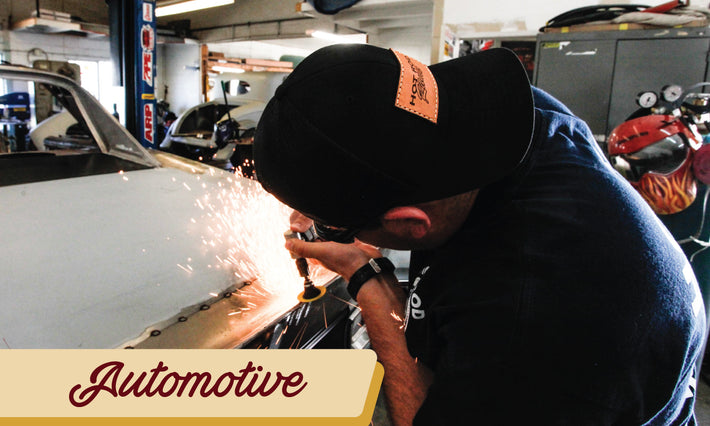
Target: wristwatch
366	272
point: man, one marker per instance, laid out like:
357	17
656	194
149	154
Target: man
543	290
665	160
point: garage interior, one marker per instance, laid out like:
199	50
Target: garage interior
223	62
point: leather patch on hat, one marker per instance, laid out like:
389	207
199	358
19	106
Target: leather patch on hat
417	91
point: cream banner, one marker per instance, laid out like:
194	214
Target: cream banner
266	384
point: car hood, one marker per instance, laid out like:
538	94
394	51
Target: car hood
96	261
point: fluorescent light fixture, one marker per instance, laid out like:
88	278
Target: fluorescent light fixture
338	38
189	6
227	69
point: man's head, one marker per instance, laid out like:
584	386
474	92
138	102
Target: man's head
420	226
356	130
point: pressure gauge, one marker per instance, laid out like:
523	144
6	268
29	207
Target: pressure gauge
646	99
671	93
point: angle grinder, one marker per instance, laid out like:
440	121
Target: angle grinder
310	291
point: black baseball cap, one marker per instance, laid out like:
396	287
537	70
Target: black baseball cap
355	130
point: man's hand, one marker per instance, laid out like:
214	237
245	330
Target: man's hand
382	303
343	259
299	222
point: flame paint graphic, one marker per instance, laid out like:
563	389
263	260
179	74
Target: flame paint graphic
671	193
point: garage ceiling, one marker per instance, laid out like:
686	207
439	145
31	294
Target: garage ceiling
250	20
290	19
373	16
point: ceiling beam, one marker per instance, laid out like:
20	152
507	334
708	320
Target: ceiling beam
387	10
414	21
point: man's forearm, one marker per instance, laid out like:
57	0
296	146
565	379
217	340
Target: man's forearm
406	381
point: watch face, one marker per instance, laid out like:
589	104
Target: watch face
671	93
646	99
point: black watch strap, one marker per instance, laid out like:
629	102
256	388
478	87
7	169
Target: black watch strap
370	269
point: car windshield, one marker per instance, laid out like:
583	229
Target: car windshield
53	129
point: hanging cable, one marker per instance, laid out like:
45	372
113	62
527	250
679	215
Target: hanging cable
695	238
36	51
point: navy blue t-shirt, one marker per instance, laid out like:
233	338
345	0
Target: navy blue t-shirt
562	301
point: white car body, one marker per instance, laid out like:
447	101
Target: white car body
247	114
246	109
58	122
119	257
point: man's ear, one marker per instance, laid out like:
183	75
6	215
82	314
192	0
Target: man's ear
409	222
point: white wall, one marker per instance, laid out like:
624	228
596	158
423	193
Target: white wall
57	47
181	72
160	56
415	43
257	50
23	48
